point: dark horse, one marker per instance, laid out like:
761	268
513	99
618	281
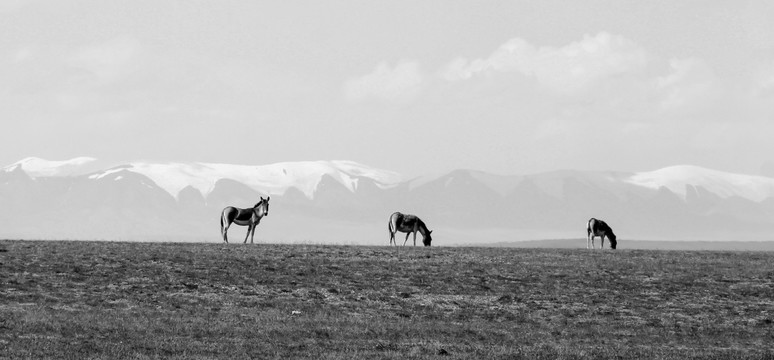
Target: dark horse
408	224
599	228
245	217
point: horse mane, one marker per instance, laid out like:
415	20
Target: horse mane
422	224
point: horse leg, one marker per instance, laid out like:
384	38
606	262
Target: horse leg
249	228
392	238
588	241
602	242
222	227
415	238
405	241
252	234
224	232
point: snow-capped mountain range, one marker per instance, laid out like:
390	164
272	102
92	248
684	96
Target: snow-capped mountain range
272	179
276	179
347	202
679	179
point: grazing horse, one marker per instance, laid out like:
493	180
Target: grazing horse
408	224
599	228
245	217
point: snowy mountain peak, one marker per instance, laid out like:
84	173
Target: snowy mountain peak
268	179
174	176
37	167
723	184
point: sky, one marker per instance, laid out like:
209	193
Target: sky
417	87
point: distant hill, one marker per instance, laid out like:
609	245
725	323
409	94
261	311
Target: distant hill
348	203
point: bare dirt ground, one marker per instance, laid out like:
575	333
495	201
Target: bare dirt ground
80	300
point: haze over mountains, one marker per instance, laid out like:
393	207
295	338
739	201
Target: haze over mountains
348	203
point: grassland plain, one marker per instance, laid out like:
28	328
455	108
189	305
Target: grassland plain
111	300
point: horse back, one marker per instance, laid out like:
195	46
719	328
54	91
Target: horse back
598	227
405	222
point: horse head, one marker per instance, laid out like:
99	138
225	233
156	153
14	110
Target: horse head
613	242
263	206
427	239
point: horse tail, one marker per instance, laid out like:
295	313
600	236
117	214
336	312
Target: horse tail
590	225
392	227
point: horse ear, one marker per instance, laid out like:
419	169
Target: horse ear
431	231
268	197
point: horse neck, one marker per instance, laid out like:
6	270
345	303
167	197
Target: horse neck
422	228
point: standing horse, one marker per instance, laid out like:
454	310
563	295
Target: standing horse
599	228
408	224
245	217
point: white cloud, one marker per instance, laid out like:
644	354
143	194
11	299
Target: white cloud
401	83
516	55
566	69
690	83
686	71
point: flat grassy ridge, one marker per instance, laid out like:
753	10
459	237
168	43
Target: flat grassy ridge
110	300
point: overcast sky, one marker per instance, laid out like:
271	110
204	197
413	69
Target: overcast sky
509	87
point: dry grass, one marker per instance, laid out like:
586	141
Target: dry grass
80	300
